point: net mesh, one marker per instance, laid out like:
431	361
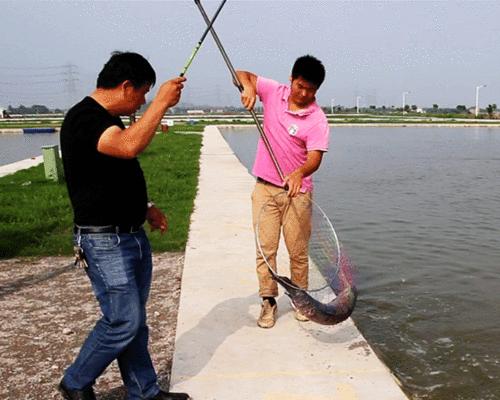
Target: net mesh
330	268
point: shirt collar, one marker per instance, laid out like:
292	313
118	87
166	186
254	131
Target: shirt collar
300	113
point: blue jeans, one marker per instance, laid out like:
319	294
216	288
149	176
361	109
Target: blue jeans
120	270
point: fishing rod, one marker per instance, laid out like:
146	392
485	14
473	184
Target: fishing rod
132	117
240	88
198	45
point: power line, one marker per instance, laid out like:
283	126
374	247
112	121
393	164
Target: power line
54	84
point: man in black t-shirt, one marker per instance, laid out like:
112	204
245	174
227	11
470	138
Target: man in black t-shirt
108	193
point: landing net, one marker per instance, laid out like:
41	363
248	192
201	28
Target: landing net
306	232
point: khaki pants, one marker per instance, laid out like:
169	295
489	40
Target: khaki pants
293	215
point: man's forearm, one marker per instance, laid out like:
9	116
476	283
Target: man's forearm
247	79
249	88
140	134
311	165
130	142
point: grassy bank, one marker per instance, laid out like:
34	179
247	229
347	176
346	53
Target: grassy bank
410	122
36	216
30	124
337	119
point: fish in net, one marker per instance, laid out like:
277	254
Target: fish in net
328	294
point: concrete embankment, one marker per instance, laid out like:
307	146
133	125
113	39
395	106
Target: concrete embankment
18	165
220	353
21	131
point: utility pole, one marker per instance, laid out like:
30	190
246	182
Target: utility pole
477	98
71	77
404	100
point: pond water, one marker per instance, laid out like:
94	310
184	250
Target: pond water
16	147
417	210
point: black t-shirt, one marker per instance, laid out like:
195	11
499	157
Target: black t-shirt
104	190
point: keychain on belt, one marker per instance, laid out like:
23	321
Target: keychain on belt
80	260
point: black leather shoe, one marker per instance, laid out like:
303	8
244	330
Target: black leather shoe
69	394
162	395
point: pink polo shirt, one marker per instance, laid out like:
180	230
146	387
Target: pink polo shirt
291	133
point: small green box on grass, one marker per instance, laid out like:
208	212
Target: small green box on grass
52	163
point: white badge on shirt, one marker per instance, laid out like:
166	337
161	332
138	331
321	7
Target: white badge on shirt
293	129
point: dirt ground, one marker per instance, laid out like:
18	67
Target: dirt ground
46	310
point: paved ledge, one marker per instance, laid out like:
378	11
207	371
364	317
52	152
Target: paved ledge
220	353
18	165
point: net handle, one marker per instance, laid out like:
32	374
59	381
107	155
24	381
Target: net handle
240	88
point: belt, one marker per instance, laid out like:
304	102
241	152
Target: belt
260	180
106	229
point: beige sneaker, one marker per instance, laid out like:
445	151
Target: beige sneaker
267	317
300	317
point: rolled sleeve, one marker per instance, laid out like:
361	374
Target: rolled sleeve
319	137
265	87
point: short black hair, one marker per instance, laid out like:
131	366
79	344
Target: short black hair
309	68
123	66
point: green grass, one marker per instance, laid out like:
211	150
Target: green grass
30	124
171	168
388	121
36	216
198	126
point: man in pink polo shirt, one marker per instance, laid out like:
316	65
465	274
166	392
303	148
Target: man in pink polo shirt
297	130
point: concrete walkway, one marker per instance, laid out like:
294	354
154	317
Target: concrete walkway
220	353
18	165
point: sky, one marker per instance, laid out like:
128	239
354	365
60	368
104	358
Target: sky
52	51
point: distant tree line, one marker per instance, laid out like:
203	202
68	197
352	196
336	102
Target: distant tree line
460	110
34	109
491	110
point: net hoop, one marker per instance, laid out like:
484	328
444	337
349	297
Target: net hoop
323	215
